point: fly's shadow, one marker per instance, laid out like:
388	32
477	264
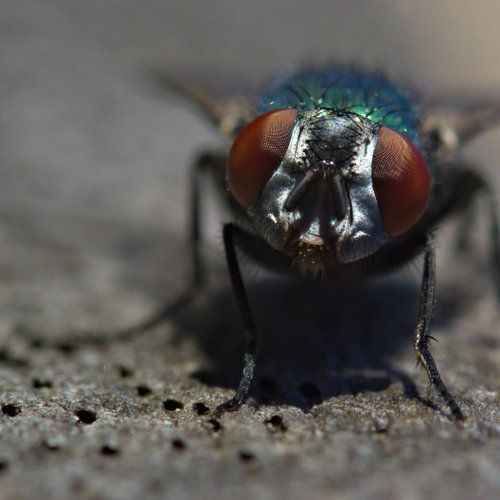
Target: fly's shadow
315	340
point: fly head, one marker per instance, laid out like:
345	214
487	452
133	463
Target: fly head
325	186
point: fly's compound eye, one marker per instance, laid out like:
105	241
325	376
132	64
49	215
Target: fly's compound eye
401	181
257	152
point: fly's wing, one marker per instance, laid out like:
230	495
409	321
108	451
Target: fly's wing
450	126
228	111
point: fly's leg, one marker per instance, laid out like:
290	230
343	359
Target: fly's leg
231	233
210	163
214	164
422	329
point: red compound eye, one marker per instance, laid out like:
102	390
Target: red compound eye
401	181
257	152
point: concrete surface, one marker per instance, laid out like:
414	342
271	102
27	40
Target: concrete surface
93	164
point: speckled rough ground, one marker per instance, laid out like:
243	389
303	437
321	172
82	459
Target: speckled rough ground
93	163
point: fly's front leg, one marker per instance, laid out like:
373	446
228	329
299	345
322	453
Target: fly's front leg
211	163
231	233
422	329
214	164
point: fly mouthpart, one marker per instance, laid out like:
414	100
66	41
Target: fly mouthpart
311	239
306	241
308	260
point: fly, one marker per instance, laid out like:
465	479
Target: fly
337	174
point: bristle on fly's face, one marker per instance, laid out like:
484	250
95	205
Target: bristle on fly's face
309	261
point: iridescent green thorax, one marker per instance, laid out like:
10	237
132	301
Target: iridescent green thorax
369	95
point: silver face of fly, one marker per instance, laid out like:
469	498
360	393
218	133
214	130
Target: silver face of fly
320	203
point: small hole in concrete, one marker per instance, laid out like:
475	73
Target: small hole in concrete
65	348
124	371
37	343
3	465
41	384
143	390
178	444
310	391
109	450
246	456
172	405
8	359
215	424
86	416
275	423
11	410
200	408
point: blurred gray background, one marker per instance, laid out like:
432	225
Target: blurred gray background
94	162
